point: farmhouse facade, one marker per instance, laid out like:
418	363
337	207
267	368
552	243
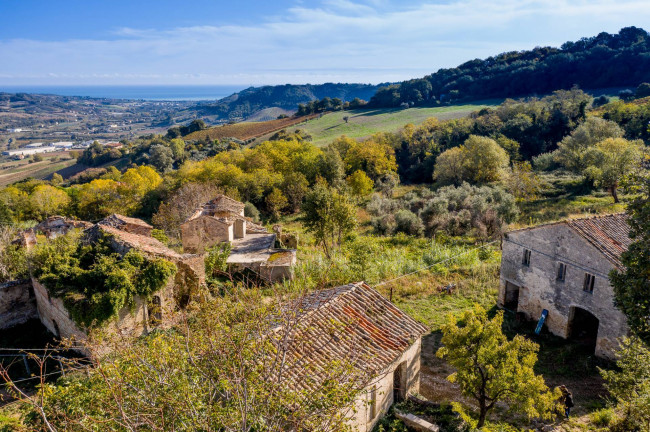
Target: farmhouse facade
355	323
563	268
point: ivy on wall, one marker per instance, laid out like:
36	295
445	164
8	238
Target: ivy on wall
93	281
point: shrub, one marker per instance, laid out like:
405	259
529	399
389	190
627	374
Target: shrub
603	417
251	211
545	162
407	222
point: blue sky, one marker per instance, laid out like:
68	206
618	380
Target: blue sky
281	41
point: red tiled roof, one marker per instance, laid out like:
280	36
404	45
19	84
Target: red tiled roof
351	323
609	234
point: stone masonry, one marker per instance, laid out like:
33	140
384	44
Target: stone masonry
563	268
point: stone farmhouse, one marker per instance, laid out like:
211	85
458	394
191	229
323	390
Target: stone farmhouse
357	324
24	300
563	267
222	220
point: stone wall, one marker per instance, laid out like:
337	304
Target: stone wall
17	303
383	389
131	322
203	232
539	287
53	314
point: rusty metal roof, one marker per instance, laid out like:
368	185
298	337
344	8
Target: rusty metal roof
351	323
609	234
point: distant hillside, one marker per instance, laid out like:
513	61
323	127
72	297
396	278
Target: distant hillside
242	105
606	60
246	130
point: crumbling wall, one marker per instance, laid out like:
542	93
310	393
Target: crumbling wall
540	288
54	315
204	232
17	303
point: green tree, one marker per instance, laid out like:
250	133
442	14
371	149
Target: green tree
643	90
57	179
571	150
161	157
632	284
294	187
276	202
177	147
629	384
328	215
450	166
360	184
491	369
610	160
478	160
375	158
47	200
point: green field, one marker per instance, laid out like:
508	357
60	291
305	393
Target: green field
12	171
363	123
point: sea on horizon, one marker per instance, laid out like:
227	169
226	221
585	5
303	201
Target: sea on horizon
144	92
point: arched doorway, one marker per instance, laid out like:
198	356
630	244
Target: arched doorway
583	327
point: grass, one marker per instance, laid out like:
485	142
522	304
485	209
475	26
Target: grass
363	123
566	195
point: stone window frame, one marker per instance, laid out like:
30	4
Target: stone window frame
526	258
561	272
588	283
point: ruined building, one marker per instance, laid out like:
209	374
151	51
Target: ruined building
21	301
563	268
222	220
357	325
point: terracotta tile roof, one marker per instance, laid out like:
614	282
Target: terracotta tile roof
148	245
609	234
117	220
353	323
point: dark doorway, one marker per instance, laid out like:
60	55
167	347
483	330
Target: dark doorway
399	383
511	300
57	332
583	327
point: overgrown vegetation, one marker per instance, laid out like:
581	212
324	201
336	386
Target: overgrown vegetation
93	281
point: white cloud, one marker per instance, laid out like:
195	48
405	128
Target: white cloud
339	40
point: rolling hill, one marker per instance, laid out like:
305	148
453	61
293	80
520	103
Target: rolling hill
605	60
246	103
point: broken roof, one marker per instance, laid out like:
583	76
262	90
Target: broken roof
117	220
352	323
610	234
219	204
148	245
